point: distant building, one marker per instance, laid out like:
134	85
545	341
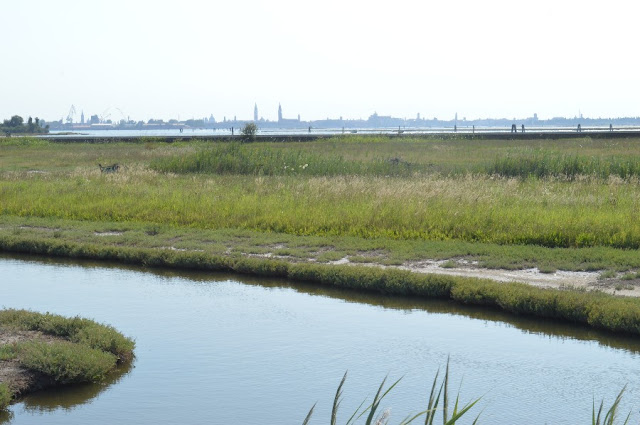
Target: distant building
255	112
82	118
286	121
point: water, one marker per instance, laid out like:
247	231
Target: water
198	132
220	349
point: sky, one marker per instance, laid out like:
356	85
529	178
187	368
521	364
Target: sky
160	59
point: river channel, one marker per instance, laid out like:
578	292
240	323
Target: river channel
231	349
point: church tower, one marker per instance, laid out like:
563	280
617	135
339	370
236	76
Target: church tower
279	113
255	112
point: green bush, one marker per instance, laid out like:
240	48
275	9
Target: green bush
76	329
65	361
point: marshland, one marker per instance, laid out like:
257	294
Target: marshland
356	213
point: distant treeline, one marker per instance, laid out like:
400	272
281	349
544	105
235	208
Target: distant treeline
16	125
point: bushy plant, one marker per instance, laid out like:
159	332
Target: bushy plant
65	361
249	131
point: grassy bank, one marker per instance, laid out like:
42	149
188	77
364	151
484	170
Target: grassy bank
594	309
81	350
436	190
571	205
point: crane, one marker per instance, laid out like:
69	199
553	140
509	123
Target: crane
105	115
71	114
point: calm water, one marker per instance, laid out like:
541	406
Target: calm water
219	349
325	131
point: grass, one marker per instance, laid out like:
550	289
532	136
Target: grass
439	405
66	362
76	329
439	391
611	415
214	204
238	159
86	351
5	395
597	310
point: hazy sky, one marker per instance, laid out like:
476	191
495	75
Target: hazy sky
189	58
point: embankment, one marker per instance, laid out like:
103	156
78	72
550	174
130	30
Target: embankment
595	309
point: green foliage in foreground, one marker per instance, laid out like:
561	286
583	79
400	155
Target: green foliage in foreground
5	395
434	407
599	310
79	330
234	158
438	392
611	414
66	362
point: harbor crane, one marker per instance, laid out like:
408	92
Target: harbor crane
71	114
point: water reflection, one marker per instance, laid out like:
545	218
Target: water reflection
67	397
538	326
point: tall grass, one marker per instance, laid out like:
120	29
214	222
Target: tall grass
551	213
541	164
439	391
236	158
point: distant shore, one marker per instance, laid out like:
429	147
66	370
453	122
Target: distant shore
320	134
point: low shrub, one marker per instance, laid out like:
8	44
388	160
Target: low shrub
76	329
65	361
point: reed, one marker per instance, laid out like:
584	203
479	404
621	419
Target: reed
542	164
236	158
438	404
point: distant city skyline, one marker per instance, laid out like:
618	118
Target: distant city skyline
145	59
79	118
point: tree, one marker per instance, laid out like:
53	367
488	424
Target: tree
249	131
16	121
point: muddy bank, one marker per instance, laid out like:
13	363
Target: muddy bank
20	380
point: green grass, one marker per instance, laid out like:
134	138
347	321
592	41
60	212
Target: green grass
239	159
5	395
79	330
86	351
438	405
349	188
545	163
598	310
66	362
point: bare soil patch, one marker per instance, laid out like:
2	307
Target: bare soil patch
20	380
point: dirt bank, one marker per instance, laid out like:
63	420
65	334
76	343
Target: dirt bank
22	381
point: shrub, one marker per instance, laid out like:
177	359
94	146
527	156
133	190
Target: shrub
65	361
249	132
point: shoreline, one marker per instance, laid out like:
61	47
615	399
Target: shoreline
592	308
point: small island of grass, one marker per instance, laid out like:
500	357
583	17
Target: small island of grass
38	351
